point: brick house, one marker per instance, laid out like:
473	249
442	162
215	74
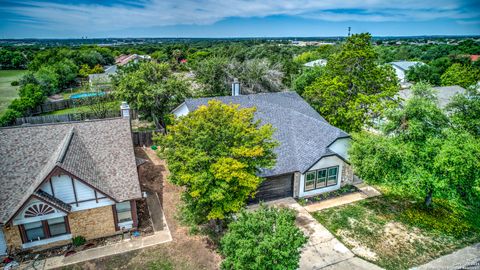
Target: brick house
63	180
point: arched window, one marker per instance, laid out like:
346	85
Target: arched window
38	209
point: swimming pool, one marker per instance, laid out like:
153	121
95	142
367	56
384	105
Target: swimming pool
87	94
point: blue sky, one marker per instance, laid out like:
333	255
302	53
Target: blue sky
235	18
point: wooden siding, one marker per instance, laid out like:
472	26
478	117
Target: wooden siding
275	187
63	188
83	191
76	193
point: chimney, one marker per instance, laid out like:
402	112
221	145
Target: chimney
235	87
125	110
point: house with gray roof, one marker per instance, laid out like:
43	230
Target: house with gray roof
401	68
312	155
62	180
316	63
444	94
101	81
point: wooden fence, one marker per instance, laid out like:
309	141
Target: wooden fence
144	138
42	119
51	106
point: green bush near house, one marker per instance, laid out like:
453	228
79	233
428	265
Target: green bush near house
78	241
263	239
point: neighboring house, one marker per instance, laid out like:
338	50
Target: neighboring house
401	68
444	94
63	180
316	63
312	155
125	59
101	81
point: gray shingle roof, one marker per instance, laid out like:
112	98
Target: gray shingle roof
303	134
405	65
99	152
444	94
316	63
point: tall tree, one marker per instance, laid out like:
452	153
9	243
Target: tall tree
458	74
308	76
465	111
152	89
258	75
419	154
212	73
353	89
215	152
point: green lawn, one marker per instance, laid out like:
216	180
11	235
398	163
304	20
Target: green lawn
8	92
113	105
397	233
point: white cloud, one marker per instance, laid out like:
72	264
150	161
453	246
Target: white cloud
157	13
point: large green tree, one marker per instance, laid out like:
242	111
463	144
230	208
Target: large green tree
419	154
463	75
152	89
216	152
353	89
263	239
465	111
258	75
308	76
212	73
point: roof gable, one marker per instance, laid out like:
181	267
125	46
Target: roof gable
98	152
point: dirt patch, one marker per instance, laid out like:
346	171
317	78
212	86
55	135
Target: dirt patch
397	236
144	221
184	252
356	246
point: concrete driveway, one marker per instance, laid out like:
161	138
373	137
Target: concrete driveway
323	250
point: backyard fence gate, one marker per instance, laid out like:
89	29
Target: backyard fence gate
144	138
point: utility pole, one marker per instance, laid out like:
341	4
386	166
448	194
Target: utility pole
349	28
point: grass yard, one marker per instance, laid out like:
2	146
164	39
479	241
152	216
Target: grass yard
8	92
399	234
113	105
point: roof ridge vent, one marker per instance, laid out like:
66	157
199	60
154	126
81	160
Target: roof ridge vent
65	145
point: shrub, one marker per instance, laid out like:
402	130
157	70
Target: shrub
14	83
442	218
78	241
263	239
8	117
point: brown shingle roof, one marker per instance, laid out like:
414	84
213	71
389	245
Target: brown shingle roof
99	152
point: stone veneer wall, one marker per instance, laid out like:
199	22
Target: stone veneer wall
12	237
347	174
92	223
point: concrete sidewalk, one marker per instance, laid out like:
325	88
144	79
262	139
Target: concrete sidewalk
467	258
323	250
158	237
365	192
